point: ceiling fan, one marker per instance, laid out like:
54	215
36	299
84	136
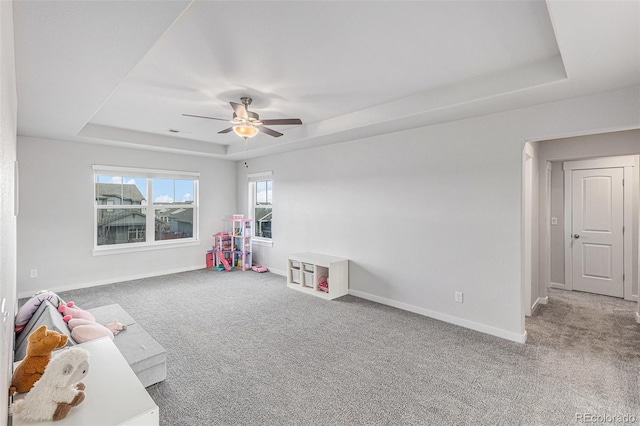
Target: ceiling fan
247	124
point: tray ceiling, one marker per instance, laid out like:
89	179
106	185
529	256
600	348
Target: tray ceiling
125	72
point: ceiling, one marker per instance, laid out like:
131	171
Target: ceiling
124	72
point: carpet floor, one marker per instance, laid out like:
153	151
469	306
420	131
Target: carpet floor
242	349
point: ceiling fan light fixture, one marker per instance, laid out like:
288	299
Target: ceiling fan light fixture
245	131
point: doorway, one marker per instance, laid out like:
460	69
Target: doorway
548	252
598	225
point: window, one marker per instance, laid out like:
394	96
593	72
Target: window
260	202
136	208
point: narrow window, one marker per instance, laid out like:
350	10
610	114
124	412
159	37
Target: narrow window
261	205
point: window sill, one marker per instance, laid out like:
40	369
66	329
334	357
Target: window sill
257	241
104	251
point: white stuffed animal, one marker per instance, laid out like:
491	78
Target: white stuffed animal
58	390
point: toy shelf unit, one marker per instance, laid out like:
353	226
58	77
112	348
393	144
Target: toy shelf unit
318	274
233	249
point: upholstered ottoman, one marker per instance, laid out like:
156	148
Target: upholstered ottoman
143	353
46	314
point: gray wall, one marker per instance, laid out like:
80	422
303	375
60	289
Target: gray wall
600	145
421	213
8	111
56	214
426	212
557	231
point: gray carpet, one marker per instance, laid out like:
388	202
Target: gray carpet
244	349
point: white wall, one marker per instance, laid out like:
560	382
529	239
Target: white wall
425	212
8	111
55	226
600	145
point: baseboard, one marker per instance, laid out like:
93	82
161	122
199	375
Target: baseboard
278	272
113	280
515	337
538	302
632	298
638	317
558	286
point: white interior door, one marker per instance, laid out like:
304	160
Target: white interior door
597	242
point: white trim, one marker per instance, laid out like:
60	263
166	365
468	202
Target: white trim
539	301
547	275
116	280
600	163
558	286
527	227
260	241
278	272
528	150
141	172
515	337
137	247
627	285
638	317
568	262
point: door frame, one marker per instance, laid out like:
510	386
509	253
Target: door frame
528	157
628	162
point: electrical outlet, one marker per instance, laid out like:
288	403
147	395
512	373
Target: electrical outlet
34	273
554	220
459	296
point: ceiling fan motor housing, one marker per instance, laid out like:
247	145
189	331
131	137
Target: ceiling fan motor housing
252	116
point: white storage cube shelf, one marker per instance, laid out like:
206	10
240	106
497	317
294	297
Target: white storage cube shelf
307	270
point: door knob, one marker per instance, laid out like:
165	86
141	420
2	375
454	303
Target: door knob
576	236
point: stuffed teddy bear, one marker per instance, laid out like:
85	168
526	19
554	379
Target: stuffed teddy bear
71	310
41	344
59	389
83	330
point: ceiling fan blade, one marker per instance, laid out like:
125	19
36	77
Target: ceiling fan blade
269	131
201	116
282	121
226	130
240	110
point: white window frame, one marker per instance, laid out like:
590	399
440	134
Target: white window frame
150	243
252	178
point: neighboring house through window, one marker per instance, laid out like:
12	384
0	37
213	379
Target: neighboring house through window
125	196
261	205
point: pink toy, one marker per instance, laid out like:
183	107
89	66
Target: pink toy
223	261
259	268
72	311
83	330
323	284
